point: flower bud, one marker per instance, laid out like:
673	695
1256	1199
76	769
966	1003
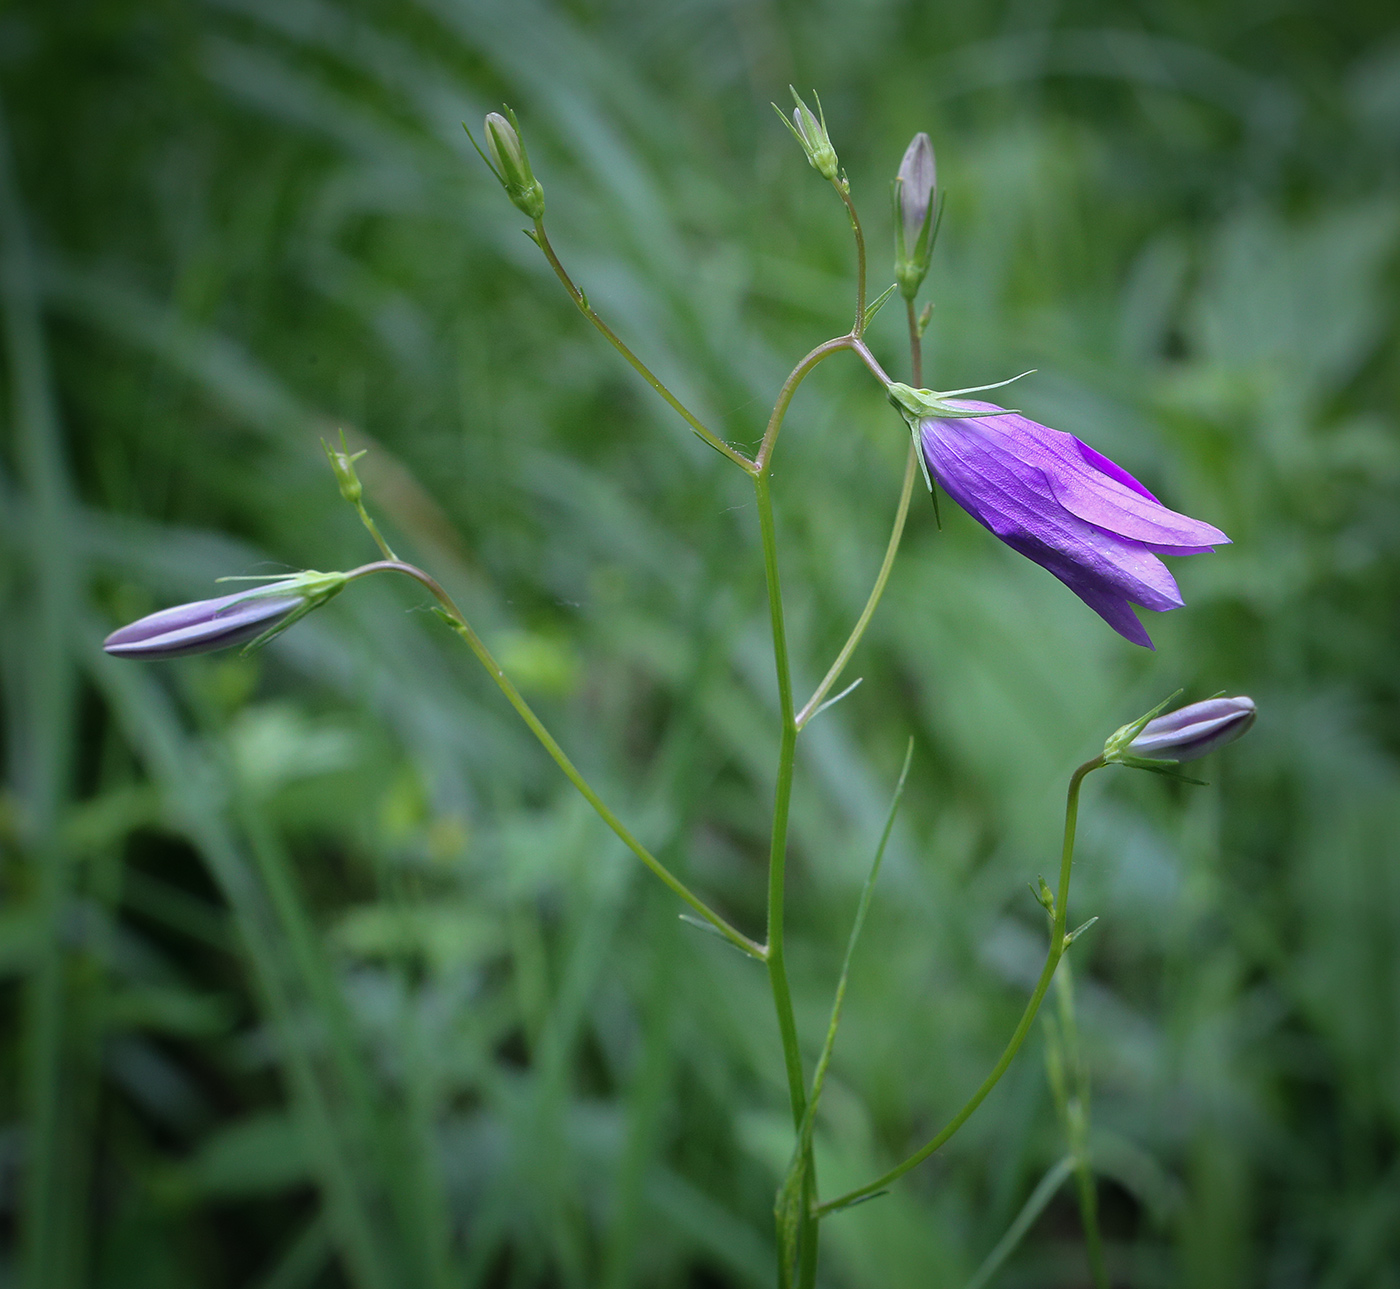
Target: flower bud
247	617
343	466
1194	731
511	164
809	129
915	189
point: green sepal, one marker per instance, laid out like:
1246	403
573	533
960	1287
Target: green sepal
821	156
878	303
1165	768
1072	936
315	588
922	404
1116	746
855	1203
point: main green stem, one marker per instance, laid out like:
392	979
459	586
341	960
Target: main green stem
541	239
1052	960
460	625
782	801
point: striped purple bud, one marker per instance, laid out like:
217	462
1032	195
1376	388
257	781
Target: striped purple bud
245	618
1194	731
915	189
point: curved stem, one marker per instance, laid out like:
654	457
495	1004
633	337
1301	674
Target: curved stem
541	239
845	195
1052	960
869	359
798	374
459	624
814	703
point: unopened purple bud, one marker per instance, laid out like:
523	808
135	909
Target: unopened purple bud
202	626
247	617
1194	731
914	190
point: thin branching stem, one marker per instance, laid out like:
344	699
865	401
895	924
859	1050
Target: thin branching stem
777	853
814	704
775	949
818	698
460	625
1052	960
541	239
843	190
764	456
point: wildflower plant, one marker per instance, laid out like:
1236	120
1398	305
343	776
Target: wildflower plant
1046	494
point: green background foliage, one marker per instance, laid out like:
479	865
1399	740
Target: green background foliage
316	973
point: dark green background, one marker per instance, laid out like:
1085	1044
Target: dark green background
315	971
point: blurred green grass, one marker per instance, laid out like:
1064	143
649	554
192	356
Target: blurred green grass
315	971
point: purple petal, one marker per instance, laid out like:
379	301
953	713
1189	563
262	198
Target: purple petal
201	626
1194	731
1067	508
1111	468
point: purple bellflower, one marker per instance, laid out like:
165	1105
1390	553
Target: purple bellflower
245	618
1058	502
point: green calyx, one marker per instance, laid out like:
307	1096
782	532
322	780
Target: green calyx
917	405
343	466
510	163
911	262
1115	750
314	588
809	129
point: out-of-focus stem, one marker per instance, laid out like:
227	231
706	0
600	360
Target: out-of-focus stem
460	625
1074	1110
541	239
1052	960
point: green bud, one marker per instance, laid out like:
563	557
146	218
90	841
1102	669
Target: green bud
809	129
343	466
511	163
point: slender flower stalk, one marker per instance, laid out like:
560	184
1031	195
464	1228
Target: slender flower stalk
1060	940
259	614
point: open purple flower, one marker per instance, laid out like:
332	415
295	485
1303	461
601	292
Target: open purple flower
1059	503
